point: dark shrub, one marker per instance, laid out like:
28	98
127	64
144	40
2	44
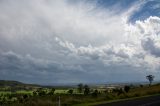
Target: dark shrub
126	88
70	91
95	93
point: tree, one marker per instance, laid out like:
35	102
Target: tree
95	93
25	96
80	88
70	91
41	92
126	88
34	93
52	91
86	90
119	91
141	85
150	78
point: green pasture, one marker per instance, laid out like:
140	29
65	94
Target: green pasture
4	92
24	92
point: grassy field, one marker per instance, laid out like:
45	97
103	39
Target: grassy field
4	92
110	101
137	92
26	97
24	92
61	91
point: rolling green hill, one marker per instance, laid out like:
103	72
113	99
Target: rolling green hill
7	85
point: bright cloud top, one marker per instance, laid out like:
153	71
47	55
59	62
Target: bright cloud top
62	41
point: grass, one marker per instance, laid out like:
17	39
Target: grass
24	92
4	92
111	101
76	99
135	93
64	91
18	92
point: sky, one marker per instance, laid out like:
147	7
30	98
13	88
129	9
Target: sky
79	41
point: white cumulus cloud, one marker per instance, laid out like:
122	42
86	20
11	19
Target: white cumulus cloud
62	41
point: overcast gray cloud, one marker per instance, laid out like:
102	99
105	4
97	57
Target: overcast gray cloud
63	42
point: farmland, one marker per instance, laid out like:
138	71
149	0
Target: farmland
36	95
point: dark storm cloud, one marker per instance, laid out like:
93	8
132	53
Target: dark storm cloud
60	41
150	46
